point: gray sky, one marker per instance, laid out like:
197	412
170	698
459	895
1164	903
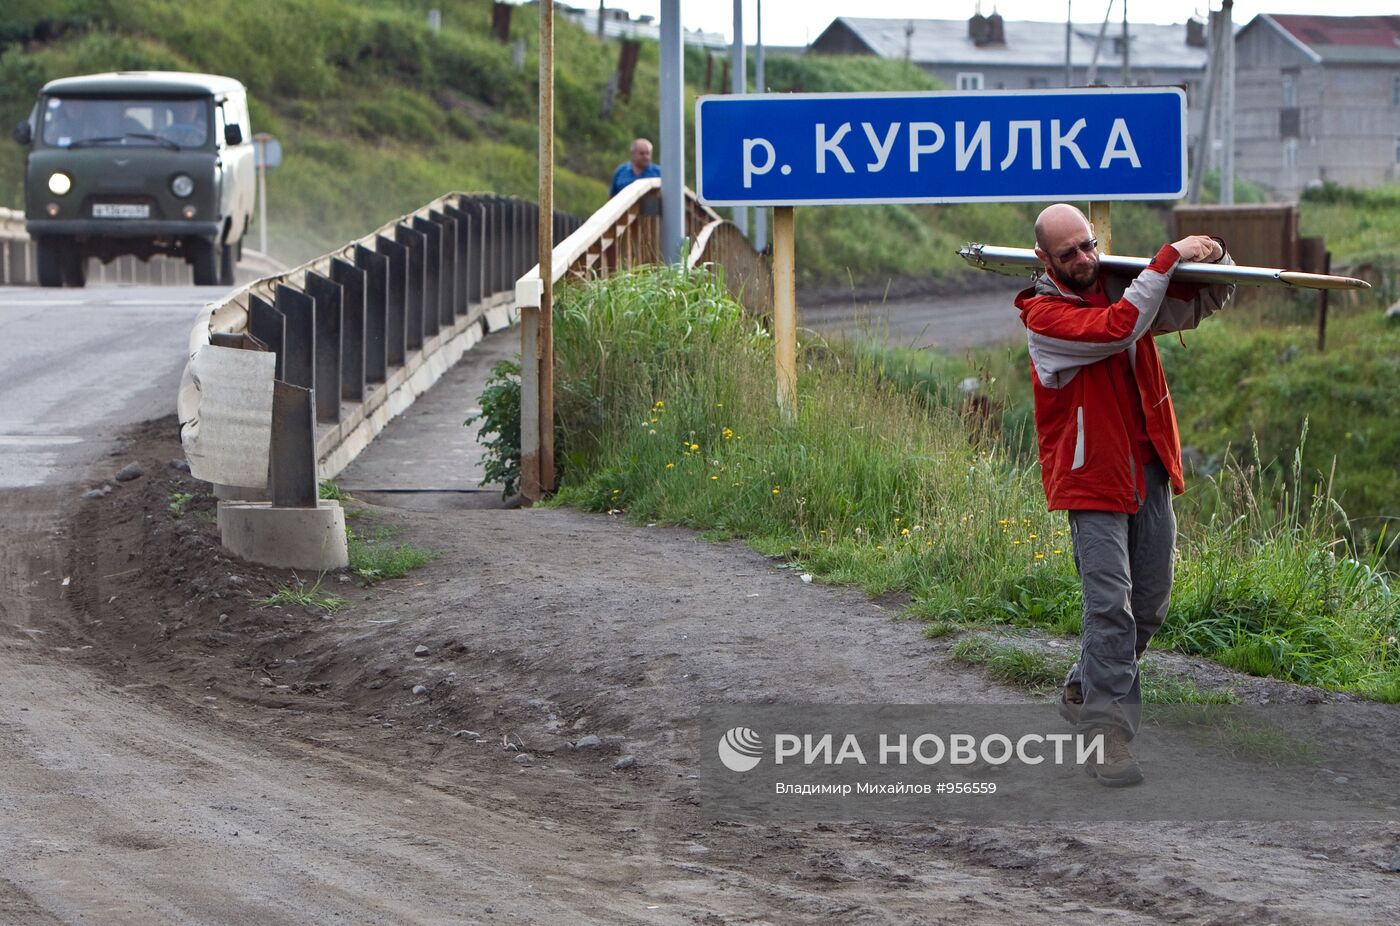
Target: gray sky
797	22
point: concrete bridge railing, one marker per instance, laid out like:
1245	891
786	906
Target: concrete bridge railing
292	376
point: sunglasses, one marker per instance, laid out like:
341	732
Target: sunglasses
1088	247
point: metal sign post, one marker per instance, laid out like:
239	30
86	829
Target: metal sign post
268	155
786	150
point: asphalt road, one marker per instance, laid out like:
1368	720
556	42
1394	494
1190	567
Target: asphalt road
78	364
948	322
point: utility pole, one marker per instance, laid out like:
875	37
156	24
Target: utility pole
760	215
1214	62
672	133
737	75
1069	33
1127	52
546	246
1227	105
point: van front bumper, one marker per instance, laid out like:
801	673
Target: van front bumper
122	228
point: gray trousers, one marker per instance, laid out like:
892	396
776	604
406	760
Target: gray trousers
1125	571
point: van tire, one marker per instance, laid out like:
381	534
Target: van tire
48	257
226	262
74	264
204	261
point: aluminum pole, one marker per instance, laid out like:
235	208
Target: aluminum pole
1227	106
760	215
738	74
672	133
1069	32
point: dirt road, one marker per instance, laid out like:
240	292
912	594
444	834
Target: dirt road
172	753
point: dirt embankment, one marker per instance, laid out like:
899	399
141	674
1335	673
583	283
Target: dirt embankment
535	629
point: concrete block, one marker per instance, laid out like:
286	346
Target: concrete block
239	493
311	539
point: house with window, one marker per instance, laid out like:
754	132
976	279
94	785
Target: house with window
989	53
1317	98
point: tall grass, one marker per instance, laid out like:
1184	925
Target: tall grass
667	412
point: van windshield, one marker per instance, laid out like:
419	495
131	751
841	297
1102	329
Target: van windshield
78	122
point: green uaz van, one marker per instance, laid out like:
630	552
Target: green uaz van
138	163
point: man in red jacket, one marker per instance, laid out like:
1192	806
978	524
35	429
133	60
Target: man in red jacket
1110	454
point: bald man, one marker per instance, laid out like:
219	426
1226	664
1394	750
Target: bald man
635	169
1109	453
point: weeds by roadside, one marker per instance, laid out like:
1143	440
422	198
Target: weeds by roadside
178	501
372	559
1042	672
327	489
301	595
665	402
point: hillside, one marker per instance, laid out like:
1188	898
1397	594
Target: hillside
378	114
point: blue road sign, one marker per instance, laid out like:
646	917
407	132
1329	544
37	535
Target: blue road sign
799	149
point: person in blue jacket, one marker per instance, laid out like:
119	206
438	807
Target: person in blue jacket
640	166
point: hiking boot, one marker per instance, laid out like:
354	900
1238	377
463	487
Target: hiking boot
1119	768
1071	702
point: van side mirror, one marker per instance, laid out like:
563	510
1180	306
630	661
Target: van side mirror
233	134
24	132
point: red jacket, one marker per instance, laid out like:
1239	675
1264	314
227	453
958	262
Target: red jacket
1086	447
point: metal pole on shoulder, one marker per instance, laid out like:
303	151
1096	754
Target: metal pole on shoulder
760	215
738	72
546	247
672	133
785	309
1101	217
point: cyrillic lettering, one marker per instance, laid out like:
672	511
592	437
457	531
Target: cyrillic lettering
1013	136
982	138
850	749
962	747
997	739
785	746
881	149
917	148
919	749
1058	141
1089	747
1119	133
900	747
750	168
832	145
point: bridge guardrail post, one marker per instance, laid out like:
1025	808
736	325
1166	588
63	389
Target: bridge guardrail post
269	326
329	326
376	293
352	335
299	311
432	275
416	243
396	263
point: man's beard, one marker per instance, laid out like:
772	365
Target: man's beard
1087	278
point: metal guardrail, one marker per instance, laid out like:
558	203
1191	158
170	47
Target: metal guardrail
357	334
292	376
624	233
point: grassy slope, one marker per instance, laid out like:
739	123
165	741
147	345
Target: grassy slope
1252	373
378	115
873	485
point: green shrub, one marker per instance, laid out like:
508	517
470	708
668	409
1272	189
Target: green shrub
500	415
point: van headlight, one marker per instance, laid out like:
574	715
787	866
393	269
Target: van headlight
182	185
60	183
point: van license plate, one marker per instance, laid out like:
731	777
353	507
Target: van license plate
121	211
